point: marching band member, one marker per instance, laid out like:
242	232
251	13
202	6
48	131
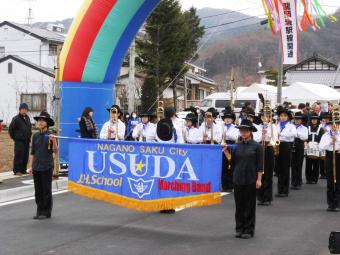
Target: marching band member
247	163
287	134
330	141
298	151
257	136
315	132
168	132
326	127
230	134
191	133
114	129
145	131
210	132
270	139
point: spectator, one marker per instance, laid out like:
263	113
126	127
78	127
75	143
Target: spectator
1	126
87	126
317	109
20	130
132	122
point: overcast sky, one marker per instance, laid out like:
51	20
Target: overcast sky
50	10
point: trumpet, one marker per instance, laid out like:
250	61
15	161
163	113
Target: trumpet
114	118
209	116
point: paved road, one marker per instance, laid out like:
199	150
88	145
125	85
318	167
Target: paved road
297	225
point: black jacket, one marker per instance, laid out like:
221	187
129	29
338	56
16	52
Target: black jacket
20	128
85	132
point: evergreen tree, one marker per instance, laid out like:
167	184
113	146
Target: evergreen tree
171	39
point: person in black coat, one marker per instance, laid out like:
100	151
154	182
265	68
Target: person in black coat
247	162
20	130
87	126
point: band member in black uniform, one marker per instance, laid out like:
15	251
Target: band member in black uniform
287	134
247	164
269	139
315	132
298	151
330	142
230	134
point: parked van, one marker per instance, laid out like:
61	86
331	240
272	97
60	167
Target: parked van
222	99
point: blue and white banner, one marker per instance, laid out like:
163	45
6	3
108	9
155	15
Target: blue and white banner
146	176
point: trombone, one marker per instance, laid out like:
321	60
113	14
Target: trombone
209	116
160	110
336	129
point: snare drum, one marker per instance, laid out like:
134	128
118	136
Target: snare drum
313	151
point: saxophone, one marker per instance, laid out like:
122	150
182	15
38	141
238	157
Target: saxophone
114	118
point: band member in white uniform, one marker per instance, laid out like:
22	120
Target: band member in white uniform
287	134
325	116
114	129
210	132
191	133
270	138
328	140
145	131
230	135
315	132
298	151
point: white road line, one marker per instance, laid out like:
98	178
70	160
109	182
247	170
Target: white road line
28	199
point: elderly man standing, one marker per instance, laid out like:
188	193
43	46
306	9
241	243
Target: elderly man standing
20	130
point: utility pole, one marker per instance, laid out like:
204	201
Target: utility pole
232	86
132	81
30	17
57	112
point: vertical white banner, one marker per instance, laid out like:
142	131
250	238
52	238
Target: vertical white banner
289	32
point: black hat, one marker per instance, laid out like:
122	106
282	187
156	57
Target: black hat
228	113
298	115
169	112
325	115
282	110
314	116
213	111
23	106
114	106
145	114
1	121
191	116
45	116
247	124
165	129
251	114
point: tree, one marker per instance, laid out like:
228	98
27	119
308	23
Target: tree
272	77
149	94
171	39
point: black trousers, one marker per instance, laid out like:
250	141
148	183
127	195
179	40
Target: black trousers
283	168
333	190
322	167
227	174
312	169
265	193
21	154
43	191
297	161
245	200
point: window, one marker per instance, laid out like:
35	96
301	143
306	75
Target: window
35	102
201	94
10	68
222	103
53	50
206	103
2	52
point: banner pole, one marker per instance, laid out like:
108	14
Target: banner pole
57	98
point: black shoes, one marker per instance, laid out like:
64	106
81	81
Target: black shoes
281	195
238	234
294	187
332	209
172	211
244	235
264	203
323	177
42	216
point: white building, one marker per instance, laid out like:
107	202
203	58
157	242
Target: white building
316	69
27	61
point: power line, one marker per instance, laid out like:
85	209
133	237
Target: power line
235	21
229	12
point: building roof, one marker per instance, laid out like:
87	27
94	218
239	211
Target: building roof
39	33
200	78
46	71
315	57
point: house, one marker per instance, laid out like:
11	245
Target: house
28	56
316	69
